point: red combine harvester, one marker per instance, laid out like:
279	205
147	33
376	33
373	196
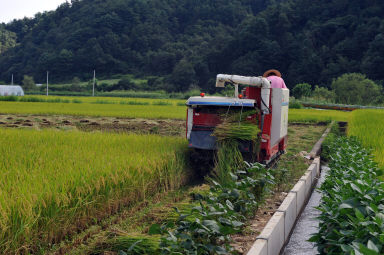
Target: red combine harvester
271	104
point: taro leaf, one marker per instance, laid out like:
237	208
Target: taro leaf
314	239
367	251
197	209
368	197
227	230
371	245
212	225
225	221
220	250
230	205
155	229
344	206
183	216
241	172
346	232
359	215
233	176
235	193
381	238
346	248
215	183
355	188
237	223
172	237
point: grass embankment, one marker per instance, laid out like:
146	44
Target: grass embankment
53	183
368	127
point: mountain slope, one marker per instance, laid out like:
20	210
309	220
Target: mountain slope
121	36
310	41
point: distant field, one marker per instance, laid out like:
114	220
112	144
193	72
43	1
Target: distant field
315	115
136	108
368	127
94	100
53	183
97	110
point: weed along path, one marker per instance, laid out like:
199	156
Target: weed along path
307	224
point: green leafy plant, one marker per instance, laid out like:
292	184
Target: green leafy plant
205	228
352	211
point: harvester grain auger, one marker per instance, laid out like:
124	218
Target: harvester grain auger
269	103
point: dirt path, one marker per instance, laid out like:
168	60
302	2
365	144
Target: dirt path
108	124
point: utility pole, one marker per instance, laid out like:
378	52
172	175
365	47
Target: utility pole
47	81
12	80
94	81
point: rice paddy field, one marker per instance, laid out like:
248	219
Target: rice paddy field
368	127
316	115
95	110
53	183
134	108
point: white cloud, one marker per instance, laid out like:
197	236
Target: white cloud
18	9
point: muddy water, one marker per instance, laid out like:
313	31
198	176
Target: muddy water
306	225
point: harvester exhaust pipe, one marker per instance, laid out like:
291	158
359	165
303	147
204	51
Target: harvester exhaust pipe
260	82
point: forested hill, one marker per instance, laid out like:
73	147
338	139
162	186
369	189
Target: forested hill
123	36
186	42
310	41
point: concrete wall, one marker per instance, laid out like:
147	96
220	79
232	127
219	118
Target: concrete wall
278	229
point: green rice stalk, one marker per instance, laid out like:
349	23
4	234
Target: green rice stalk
235	127
227	160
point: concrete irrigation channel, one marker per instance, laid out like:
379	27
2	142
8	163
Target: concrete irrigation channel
307	224
294	222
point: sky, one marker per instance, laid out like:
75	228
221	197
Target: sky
18	9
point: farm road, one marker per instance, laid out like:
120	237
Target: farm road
307	224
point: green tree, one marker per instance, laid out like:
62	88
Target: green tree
7	40
355	88
302	90
125	83
28	83
75	86
183	76
323	94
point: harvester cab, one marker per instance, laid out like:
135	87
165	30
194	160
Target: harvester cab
270	108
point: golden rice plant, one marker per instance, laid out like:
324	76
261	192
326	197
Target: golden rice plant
317	115
95	110
137	108
368	127
53	183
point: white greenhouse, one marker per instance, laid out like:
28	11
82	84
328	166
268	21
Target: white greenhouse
6	90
